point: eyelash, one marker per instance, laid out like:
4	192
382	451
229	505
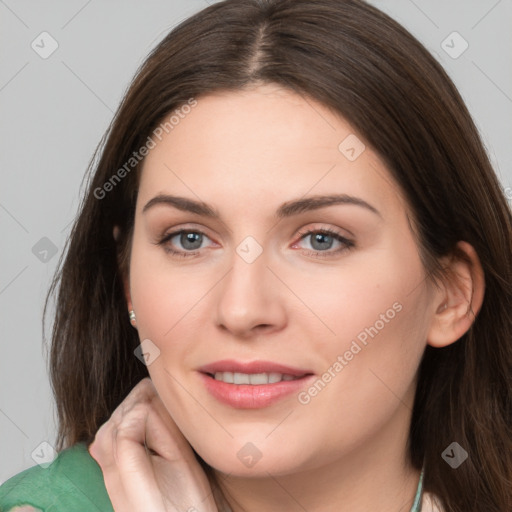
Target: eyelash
348	244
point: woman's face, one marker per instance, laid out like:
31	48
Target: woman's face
345	313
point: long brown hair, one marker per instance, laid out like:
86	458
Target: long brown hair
365	66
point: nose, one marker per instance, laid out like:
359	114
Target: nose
250	299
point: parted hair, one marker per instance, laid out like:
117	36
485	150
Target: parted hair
361	63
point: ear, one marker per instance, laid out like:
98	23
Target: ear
460	298
116	232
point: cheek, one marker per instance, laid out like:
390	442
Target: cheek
163	294
367	387
376	315
367	296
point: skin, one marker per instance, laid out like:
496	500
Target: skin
246	153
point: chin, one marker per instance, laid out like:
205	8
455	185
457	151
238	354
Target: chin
247	460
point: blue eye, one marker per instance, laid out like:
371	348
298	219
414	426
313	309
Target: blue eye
192	241
323	240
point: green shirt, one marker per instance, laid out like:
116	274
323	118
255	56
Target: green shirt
73	482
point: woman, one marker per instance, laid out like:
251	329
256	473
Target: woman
336	336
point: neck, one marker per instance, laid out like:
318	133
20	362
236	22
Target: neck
373	476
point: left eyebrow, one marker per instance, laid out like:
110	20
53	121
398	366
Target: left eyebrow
287	209
315	202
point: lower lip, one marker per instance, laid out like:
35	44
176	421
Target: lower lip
249	396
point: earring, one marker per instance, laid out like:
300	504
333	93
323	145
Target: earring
132	317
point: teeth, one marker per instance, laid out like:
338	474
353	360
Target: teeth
274	377
258	378
241	378
252	378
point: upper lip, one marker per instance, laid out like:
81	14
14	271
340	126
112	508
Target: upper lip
230	365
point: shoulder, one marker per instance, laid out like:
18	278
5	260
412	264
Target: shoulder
73	479
430	503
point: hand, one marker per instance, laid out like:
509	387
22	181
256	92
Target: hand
165	476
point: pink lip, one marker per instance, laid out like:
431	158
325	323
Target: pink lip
248	396
230	365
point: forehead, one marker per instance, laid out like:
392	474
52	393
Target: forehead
265	144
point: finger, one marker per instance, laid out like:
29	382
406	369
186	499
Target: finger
164	438
104	451
172	476
181	480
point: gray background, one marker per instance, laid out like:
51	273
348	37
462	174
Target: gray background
55	110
